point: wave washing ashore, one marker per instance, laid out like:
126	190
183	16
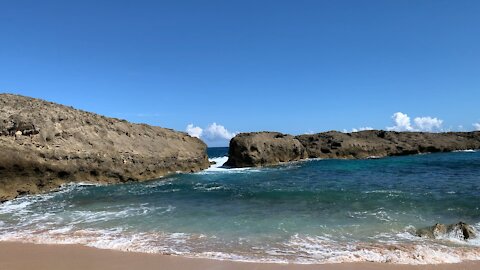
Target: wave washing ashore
318	211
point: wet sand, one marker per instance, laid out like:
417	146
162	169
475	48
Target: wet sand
21	256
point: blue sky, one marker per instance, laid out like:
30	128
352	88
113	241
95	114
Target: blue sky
289	66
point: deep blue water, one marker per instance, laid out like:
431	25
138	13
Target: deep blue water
216	152
310	211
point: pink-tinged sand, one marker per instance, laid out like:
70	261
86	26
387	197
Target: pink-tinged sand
21	256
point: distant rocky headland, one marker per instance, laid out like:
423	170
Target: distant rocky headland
44	145
270	148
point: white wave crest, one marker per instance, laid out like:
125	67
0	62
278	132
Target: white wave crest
20	204
298	249
323	250
218	167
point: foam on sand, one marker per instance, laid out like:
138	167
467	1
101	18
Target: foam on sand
303	249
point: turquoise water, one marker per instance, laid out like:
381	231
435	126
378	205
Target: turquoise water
314	211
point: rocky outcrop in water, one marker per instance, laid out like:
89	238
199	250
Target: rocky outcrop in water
459	230
333	144
379	143
44	145
264	148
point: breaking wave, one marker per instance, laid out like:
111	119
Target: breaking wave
302	249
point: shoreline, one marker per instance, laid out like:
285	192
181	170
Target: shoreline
22	256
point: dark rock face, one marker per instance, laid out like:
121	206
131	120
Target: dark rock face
44	145
333	144
379	143
264	148
459	230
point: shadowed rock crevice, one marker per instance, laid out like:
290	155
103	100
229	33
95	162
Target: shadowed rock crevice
44	145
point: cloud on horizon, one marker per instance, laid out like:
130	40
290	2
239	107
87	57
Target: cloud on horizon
425	123
402	122
428	123
476	126
214	134
194	131
357	129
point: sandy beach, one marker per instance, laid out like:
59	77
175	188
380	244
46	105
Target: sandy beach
22	256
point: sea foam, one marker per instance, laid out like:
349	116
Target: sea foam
218	167
302	249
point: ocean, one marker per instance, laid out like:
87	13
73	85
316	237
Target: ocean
313	211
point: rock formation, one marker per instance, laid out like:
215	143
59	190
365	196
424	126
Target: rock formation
379	143
458	230
248	149
44	145
264	148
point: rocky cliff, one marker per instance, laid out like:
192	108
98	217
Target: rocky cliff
264	148
44	145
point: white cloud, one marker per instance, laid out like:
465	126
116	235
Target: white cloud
194	131
476	126
214	134
428	123
402	122
424	123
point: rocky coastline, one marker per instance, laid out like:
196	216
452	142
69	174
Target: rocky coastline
44	145
269	148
